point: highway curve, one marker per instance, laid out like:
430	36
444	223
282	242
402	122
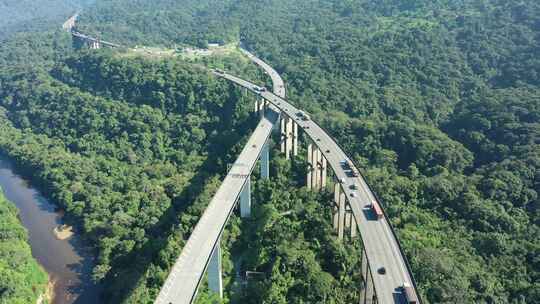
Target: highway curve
380	242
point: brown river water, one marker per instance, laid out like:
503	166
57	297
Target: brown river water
68	262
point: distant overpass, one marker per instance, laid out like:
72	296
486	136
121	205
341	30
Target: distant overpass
352	200
93	43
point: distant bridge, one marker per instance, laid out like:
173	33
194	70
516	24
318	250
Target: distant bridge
386	274
93	43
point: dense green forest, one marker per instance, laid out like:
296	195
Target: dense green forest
437	101
22	280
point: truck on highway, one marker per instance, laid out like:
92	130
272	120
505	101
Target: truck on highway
377	210
409	293
354	171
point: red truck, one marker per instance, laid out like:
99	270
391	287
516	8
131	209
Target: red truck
377	210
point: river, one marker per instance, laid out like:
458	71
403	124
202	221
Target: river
68	262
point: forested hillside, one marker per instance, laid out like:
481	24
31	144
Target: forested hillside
437	101
22	280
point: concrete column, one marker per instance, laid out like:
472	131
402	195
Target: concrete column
335	215
289	137
215	283
309	183
295	143
245	199
265	160
348	216
363	271
342	201
282	123
316	164
256	106
354	227
324	165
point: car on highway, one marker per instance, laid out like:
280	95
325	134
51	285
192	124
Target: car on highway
353	187
353	194
259	89
303	116
381	270
342	180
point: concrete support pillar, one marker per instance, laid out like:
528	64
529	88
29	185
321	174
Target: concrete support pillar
348	216
295	142
245	199
215	283
316	165
324	166
290	137
260	107
354	227
283	138
265	160
363	271
341	211
94	45
309	177
335	219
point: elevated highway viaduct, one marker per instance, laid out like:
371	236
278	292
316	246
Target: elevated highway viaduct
202	250
381	249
